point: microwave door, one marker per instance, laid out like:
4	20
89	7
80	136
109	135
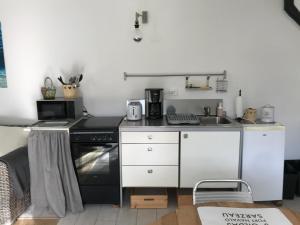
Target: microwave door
70	109
51	110
59	109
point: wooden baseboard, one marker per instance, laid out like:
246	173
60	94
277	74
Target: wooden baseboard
37	222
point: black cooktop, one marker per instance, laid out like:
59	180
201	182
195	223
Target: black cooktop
110	123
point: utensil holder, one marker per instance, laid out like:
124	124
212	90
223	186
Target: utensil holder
70	91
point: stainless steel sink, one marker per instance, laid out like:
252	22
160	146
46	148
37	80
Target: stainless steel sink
213	120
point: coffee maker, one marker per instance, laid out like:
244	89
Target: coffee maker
154	98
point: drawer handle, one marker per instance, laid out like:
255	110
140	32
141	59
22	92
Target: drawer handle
148	199
149	171
149	149
150	137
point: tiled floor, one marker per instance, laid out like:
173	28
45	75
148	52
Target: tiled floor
108	215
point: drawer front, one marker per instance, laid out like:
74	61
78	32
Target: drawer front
150	176
150	154
150	137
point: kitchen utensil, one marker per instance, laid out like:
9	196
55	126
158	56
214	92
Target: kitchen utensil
80	77
61	80
250	115
134	110
78	80
72	80
267	113
48	91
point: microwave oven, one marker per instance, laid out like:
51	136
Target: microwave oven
60	109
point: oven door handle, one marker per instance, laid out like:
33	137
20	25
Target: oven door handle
91	132
112	148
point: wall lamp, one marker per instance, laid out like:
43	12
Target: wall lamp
137	37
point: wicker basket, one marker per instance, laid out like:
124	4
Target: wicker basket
70	91
48	91
10	206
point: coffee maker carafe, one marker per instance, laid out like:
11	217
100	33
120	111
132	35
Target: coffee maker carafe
154	98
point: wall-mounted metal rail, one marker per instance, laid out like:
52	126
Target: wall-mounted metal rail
223	74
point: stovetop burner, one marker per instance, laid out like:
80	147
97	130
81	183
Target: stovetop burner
110	123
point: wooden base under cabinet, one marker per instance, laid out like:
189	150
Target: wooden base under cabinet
148	198
184	197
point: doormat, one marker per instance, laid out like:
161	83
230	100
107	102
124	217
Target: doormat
247	216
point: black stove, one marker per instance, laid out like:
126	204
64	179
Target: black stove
96	129
95	153
98	124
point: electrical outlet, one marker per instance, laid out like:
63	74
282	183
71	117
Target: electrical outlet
171	92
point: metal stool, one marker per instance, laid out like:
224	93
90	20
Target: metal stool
218	196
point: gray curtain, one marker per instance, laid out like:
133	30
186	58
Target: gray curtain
53	180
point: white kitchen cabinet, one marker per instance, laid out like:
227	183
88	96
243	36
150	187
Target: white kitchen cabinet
209	155
150	154
150	176
263	161
150	137
150	159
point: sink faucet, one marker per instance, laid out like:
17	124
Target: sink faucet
206	111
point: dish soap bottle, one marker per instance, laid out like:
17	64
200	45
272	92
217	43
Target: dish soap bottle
220	110
239	106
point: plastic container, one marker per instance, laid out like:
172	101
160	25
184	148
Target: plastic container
220	109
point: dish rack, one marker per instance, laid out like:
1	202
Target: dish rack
183	118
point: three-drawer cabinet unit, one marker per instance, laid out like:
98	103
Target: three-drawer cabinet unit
150	159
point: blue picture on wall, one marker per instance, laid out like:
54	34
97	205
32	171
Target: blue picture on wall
3	83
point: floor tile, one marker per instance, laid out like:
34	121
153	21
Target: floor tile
162	212
127	216
69	219
89	215
108	213
146	216
105	222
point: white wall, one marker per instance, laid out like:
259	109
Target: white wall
254	40
14	137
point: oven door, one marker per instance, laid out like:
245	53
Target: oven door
96	164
